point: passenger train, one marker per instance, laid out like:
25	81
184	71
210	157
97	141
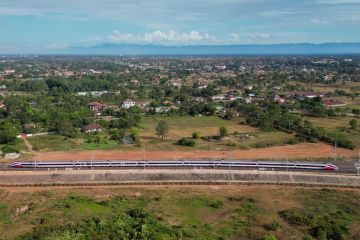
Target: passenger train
177	164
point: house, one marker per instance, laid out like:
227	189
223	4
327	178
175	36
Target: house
278	99
232	97
248	100
329	103
3	93
29	127
203	86
68	73
8	71
168	103
218	97
303	95
128	103
134	81
91	128
96	106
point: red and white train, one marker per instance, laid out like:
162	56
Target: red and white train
238	164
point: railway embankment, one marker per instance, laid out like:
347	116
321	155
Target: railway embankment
176	176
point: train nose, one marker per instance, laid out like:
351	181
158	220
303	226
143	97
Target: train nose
14	165
331	167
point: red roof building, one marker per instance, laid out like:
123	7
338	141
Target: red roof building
92	127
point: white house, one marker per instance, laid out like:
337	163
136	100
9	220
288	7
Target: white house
128	103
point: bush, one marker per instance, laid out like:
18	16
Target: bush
270	237
196	135
9	149
186	142
223	132
293	141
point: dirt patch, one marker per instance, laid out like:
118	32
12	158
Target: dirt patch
299	151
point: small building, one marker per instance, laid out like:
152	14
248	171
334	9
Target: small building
128	103
303	95
278	99
8	71
218	97
3	93
2	105
91	128
96	106
134	82
248	100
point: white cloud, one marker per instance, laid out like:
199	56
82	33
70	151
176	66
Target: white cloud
318	21
162	37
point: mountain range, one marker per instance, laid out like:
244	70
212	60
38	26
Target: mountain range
255	49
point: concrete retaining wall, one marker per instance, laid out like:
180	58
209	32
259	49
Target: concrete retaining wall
73	177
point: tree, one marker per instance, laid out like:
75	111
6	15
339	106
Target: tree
223	131
162	129
8	133
353	123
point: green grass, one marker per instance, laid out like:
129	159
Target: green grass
180	127
5	217
327	214
340	124
19	145
99	146
53	143
183	122
81	206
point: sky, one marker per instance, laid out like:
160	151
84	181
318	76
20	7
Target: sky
35	25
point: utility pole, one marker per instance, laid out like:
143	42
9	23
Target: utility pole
335	148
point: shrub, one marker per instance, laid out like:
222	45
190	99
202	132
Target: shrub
9	149
223	132
196	135
186	142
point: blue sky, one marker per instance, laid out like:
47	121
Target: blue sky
32	25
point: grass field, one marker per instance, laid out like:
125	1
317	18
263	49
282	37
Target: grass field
197	212
340	124
178	127
208	126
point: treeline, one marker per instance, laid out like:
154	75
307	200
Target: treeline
273	116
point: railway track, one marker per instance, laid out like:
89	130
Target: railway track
234	164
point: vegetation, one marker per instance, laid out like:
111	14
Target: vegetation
264	95
186	142
223	132
180	213
162	129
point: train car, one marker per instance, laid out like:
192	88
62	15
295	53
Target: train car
175	164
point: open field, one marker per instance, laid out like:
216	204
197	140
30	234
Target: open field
260	145
331	88
340	124
299	151
178	127
183	212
